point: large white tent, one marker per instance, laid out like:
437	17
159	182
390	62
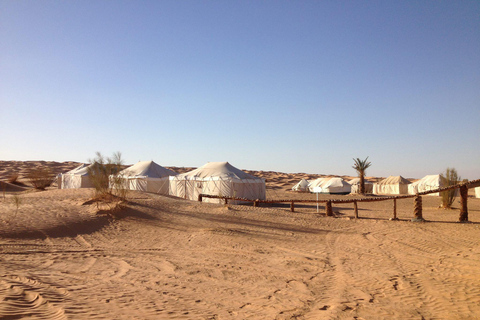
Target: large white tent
391	185
430	182
302	185
146	176
217	178
355	182
76	178
477	192
330	185
317	184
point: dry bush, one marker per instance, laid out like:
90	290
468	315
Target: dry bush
13	178
451	178
109	187
40	178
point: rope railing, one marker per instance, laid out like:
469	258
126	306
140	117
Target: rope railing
464	186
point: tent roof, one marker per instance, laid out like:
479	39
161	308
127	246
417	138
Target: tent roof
335	183
147	169
394	180
221	170
81	170
432	180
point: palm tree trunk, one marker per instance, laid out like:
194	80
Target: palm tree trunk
362	183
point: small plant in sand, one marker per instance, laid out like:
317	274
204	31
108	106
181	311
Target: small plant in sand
40	178
13	178
361	167
448	197
109	186
16	201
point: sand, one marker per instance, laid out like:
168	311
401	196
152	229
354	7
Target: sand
167	258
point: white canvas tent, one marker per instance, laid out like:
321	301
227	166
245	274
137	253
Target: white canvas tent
430	182
317	183
477	192
330	185
336	186
76	178
391	185
217	178
302	185
146	176
355	182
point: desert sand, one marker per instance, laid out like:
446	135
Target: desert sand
167	258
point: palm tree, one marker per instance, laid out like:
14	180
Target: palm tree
361	167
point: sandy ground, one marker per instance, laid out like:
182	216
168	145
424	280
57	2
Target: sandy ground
167	258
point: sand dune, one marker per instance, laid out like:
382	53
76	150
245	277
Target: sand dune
167	258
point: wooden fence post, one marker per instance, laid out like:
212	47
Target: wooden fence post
200	197
328	209
255	203
226	201
463	204
292	206
355	209
417	209
395	209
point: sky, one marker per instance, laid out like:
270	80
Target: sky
290	86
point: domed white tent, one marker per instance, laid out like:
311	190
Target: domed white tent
391	185
302	185
316	184
330	185
76	178
217	178
146	176
355	182
430	182
336	186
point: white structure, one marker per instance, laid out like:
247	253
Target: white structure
355	182
316	184
301	186
76	178
330	185
430	182
391	185
217	178
145	176
477	192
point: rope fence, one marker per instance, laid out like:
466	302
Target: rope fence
463	187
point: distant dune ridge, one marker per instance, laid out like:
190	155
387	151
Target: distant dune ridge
162	257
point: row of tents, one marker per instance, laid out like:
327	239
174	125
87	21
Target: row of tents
223	179
214	178
390	185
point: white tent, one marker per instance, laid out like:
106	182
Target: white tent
430	182
146	176
217	178
391	185
477	192
302	185
317	183
330	185
336	186
76	178
355	182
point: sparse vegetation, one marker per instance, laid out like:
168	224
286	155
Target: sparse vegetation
109	187
13	178
40	178
361	167
17	201
451	178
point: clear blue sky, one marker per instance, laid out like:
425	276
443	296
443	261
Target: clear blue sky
292	86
